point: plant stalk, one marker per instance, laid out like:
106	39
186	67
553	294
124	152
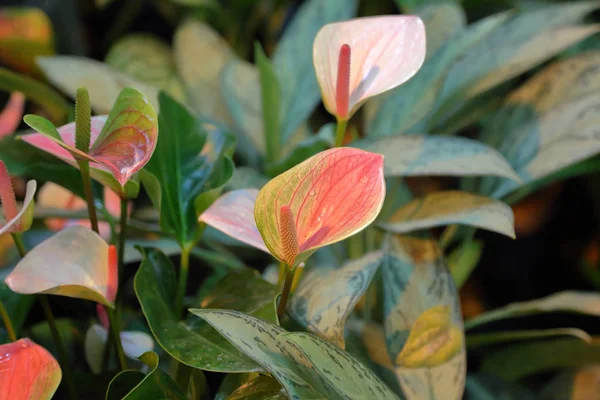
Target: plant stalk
121	245
114	330
340	132
285	292
7	323
282	273
183	278
62	354
84	167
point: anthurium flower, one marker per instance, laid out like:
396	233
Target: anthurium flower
134	343
15	220
55	197
323	200
27	371
75	262
361	58
122	142
11	115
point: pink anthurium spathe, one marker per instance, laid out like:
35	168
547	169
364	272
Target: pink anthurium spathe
27	371
361	58
233	214
15	220
320	201
75	262
122	142
11	115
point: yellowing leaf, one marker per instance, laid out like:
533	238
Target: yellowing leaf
323	200
74	262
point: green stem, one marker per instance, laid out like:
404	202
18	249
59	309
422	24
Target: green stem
84	166
7	323
282	270
121	244
106	353
340	132
62	354
285	293
114	330
183	277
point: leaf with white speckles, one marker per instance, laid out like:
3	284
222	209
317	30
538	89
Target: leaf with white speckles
326	296
453	207
415	280
348	376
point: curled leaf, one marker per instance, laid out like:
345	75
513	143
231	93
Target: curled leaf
28	371
233	214
331	196
74	262
16	221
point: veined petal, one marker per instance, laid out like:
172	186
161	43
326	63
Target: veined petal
386	51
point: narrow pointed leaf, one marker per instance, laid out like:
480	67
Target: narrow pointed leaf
437	155
10	117
264	343
326	296
155	286
73	263
233	214
453	207
479	340
415	280
331	196
580	384
103	82
340	370
29	371
568	301
23	220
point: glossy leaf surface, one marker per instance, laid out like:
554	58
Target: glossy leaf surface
416	280
10	117
233	214
331	196
155	286
191	157
29	371
438	155
74	262
386	52
326	296
453	207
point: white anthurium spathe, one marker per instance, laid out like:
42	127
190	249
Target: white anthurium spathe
363	57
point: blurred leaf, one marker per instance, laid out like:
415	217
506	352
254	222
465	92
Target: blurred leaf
415	279
231	383
191	157
519	44
478	340
260	388
38	92
155	286
149	60
123	383
69	330
341	371
580	384
17	306
437	155
73	263
452	207
292	60
463	260
26	34
157	384
489	387
270	349
326	296
201	54
403	107
567	301
518	361
245	177
270	96
103	82
443	20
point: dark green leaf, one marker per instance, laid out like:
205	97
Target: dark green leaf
123	383
155	286
17	306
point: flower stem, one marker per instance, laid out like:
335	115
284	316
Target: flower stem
114	330
340	132
121	244
62	354
285	292
84	166
282	272
183	277
7	323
